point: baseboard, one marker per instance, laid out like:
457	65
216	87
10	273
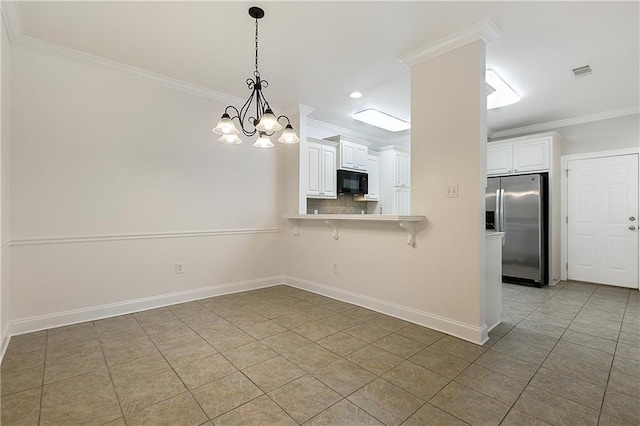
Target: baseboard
59	319
473	334
4	342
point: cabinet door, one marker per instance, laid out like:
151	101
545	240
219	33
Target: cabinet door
531	156
406	170
397	169
314	153
401	169
328	164
373	169
362	157
348	155
499	160
406	202
402	200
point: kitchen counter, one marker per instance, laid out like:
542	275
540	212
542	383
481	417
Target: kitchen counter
405	222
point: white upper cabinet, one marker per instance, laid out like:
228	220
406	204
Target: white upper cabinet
520	156
373	169
402	172
322	170
531	156
353	156
499	159
395	181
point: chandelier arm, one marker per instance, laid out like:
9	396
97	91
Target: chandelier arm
286	118
226	111
243	114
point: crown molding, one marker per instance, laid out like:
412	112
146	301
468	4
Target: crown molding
485	30
13	23
12	20
348	133
552	125
57	51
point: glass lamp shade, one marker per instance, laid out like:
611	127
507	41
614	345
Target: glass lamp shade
263	142
225	126
288	136
230	139
268	122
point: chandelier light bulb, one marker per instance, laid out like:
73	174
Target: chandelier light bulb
263	142
268	122
225	126
230	139
288	136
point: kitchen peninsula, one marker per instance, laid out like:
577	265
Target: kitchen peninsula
408	223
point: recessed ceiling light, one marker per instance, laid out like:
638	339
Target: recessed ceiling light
355	95
382	120
504	95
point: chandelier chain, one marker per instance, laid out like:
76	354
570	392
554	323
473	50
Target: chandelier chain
257	73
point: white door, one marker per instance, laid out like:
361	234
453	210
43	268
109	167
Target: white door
602	209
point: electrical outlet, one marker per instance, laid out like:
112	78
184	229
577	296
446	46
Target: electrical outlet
452	191
179	268
335	267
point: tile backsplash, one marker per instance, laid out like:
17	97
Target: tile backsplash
344	204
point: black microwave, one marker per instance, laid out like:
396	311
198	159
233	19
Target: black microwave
352	182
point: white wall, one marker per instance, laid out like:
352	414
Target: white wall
438	283
603	135
5	135
98	158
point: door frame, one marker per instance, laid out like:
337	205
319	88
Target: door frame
564	236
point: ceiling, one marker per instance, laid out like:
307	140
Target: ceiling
316	53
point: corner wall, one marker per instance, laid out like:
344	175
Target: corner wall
5	135
439	282
115	180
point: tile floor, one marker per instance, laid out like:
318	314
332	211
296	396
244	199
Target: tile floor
564	355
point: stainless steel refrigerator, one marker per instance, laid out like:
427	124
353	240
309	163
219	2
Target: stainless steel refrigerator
517	206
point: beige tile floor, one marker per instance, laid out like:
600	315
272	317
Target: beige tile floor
564	355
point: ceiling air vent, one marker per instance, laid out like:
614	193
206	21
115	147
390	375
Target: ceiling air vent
582	71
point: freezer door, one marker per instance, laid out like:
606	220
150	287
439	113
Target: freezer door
522	251
491	201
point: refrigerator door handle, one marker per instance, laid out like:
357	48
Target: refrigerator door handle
501	214
497	216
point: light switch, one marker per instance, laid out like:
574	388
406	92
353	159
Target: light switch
452	191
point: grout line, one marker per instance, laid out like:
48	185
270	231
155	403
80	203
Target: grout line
104	357
44	367
300	296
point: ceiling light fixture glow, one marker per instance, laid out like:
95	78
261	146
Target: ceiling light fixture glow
504	95
355	95
382	120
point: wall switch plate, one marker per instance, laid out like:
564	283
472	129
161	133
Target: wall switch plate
335	267
451	191
179	268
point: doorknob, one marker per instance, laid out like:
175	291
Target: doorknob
632	218
633	228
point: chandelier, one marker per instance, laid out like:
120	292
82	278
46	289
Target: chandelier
265	123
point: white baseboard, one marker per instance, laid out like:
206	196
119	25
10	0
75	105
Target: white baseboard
59	319
4	341
473	334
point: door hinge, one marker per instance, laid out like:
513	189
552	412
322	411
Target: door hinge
567	172
566	266
566	219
